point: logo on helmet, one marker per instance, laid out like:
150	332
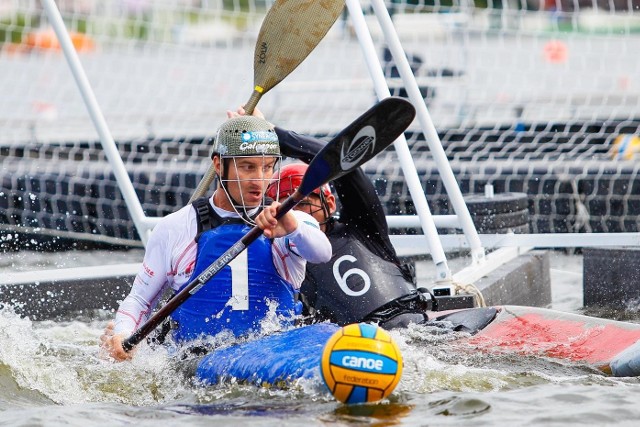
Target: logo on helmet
358	147
261	135
259	142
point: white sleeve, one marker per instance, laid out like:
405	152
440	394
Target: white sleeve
306	243
148	285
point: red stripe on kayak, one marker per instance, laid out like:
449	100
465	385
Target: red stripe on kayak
533	334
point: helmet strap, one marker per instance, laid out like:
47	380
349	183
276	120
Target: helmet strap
325	208
223	178
238	206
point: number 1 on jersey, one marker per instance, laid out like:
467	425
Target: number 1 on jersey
240	282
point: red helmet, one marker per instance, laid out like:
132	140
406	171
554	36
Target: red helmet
290	178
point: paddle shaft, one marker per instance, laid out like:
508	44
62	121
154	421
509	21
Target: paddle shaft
252	102
195	285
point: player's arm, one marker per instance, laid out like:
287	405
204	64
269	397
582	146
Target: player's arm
291	252
145	292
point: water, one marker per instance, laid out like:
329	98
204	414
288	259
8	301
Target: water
51	374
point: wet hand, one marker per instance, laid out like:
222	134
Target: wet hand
241	112
276	228
111	344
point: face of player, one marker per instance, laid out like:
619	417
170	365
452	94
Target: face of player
246	179
313	206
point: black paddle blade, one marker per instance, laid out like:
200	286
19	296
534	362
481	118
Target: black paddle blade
359	142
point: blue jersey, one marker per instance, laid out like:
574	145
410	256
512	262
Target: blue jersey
238	297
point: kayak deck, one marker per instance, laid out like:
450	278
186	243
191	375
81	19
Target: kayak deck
542	332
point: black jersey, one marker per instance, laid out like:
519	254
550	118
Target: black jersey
355	283
364	277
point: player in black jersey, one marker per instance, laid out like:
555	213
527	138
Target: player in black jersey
364	280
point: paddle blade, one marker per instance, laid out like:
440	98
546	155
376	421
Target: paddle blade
359	142
290	31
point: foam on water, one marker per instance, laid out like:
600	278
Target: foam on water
61	362
52	373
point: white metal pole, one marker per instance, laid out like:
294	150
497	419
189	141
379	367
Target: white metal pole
433	140
108	145
409	245
409	221
443	273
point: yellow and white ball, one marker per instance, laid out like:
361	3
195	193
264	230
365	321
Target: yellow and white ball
361	364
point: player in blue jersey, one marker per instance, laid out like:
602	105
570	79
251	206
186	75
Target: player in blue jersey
261	283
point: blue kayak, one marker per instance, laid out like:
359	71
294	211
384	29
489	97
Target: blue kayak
609	345
296	353
282	357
